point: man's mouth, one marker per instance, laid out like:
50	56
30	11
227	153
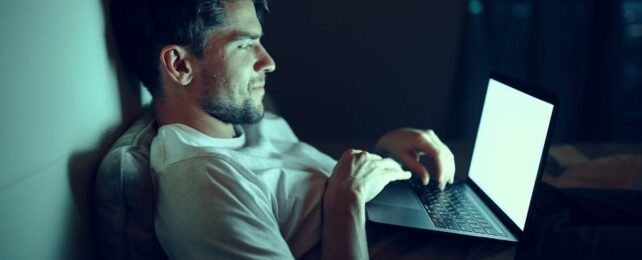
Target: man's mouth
258	86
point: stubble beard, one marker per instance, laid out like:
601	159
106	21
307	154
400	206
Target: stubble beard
226	111
223	110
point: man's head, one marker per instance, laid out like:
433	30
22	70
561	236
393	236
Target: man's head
198	52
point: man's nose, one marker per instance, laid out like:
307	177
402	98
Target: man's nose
265	63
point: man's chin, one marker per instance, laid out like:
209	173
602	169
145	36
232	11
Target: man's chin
260	113
247	114
260	108
256	114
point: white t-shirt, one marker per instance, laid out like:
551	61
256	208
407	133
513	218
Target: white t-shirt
254	196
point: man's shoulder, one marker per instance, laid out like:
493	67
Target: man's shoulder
205	162
212	172
180	144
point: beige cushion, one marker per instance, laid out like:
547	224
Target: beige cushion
124	195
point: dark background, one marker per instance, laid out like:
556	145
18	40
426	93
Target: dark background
351	70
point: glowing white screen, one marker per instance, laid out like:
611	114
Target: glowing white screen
508	148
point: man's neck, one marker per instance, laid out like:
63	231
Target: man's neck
193	117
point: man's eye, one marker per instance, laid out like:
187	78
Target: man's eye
245	46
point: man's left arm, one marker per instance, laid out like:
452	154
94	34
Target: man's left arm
407	145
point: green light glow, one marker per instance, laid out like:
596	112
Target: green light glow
475	7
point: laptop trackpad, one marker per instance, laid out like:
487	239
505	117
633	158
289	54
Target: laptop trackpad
397	205
397	194
398	216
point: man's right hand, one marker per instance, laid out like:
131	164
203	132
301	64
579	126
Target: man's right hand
359	176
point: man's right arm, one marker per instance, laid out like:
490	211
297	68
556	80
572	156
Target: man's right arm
357	178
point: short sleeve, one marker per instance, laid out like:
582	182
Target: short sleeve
209	209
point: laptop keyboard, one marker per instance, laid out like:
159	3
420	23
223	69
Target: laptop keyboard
451	209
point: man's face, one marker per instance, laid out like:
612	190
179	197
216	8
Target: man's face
234	67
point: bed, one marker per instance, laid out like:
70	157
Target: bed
124	197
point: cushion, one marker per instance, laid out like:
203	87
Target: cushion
124	196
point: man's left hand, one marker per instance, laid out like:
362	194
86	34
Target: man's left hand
406	145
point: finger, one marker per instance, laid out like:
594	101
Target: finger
416	167
453	169
360	155
443	172
397	175
374	156
389	163
350	152
448	162
448	170
432	145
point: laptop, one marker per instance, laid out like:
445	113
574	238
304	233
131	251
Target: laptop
505	169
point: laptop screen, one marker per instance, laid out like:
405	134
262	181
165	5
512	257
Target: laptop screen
508	149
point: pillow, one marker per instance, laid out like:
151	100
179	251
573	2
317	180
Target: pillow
124	196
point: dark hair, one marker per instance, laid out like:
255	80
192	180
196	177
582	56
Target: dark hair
143	27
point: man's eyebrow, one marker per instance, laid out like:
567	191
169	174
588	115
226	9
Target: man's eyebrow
241	36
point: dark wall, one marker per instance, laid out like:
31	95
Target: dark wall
351	70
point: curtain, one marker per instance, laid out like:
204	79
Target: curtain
588	52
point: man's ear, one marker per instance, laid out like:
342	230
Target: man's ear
175	63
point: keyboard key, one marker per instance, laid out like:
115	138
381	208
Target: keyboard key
452	225
439	224
490	231
465	227
478	230
485	225
452	209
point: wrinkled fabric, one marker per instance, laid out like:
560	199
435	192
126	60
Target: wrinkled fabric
257	195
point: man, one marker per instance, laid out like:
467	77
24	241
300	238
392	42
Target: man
231	182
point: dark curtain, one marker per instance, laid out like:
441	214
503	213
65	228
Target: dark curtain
589	52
